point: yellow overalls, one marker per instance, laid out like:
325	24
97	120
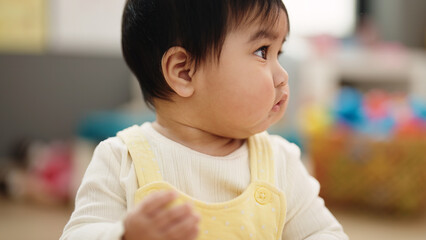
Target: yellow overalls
258	213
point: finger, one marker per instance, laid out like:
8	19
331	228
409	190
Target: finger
166	218
180	230
157	201
193	234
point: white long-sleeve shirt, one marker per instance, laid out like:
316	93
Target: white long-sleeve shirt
107	190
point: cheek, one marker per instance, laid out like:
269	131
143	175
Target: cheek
262	91
254	89
254	100
243	92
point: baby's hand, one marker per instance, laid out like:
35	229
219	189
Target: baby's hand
154	220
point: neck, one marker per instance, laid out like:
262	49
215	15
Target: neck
196	138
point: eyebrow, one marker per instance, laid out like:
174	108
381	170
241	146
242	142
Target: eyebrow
264	33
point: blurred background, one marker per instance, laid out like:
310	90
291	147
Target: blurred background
357	110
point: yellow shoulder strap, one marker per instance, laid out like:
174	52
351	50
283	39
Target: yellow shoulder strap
144	161
261	158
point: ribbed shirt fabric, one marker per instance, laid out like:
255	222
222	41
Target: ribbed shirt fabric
107	190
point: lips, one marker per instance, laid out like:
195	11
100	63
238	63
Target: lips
280	102
282	99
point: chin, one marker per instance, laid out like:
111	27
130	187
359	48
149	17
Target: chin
246	131
244	134
260	129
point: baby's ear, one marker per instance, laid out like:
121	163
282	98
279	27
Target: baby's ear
177	69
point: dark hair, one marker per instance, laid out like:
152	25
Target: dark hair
151	27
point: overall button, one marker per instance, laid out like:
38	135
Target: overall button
263	195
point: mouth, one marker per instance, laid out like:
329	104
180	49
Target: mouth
277	106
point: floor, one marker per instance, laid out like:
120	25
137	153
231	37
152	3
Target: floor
366	226
21	221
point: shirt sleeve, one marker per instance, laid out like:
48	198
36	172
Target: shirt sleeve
307	217
100	203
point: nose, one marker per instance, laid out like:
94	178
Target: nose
280	76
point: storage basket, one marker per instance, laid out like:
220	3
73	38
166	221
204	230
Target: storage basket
385	175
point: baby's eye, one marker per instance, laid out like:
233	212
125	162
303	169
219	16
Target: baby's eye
261	52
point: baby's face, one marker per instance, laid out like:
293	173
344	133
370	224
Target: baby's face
247	90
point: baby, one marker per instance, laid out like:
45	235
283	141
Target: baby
206	168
